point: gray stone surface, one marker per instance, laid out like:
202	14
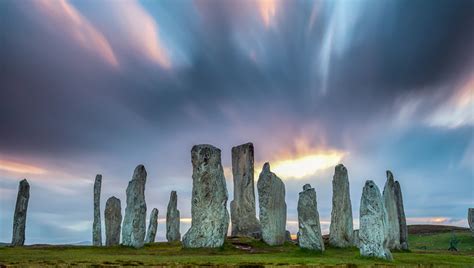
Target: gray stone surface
152	226
373	223
288	236
470	219
341	227
19	218
393	224
172	219
210	218
271	197
242	208
97	224
309	234
134	222
113	221
401	217
355	238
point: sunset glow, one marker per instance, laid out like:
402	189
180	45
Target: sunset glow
20	167
267	11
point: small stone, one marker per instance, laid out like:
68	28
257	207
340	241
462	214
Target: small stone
134	223
341	227
288	236
210	218
96	226
242	208
470	219
271	196
393	231
19	218
152	226
373	223
401	217
113	221
355	238
309	234
172	219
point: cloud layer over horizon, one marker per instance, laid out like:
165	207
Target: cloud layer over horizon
93	87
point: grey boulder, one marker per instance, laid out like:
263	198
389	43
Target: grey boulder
152	226
373	223
341	227
401	217
134	222
242	208
113	221
309	234
210	218
19	218
172	219
271	196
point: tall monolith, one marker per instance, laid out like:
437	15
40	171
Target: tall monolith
210	218
96	226
271	197
341	227
242	208
470	219
172	219
152	226
393	224
373	223
401	217
19	218
134	222
113	221
309	234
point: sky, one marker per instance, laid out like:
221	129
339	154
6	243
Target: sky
97	87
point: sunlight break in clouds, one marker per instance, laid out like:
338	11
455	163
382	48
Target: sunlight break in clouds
267	9
21	168
78	27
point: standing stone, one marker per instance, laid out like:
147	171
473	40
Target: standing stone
401	217
19	219
309	234
373	223
172	219
470	219
96	226
210	218
113	220
271	197
288	236
152	226
393	224
341	227
355	238
134	223
242	208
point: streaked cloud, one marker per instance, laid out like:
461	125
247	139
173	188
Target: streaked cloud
20	168
63	16
267	10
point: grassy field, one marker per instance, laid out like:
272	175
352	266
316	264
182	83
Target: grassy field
427	250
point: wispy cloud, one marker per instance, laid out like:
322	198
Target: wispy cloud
63	16
20	168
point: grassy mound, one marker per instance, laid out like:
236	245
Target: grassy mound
427	250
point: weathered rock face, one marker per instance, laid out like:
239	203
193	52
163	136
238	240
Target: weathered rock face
271	197
341	228
96	226
401	217
210	219
373	223
19	218
470	219
113	221
288	236
172	219
355	238
309	234
134	222
393	225
242	208
152	226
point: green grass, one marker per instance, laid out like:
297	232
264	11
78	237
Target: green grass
426	251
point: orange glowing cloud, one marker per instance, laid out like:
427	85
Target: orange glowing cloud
142	32
66	16
21	168
267	10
